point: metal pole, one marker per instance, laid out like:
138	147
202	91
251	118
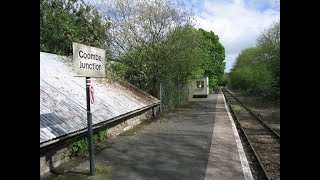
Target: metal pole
90	133
160	96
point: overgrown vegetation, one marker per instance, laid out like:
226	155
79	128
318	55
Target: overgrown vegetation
148	43
257	69
79	147
154	42
65	21
224	80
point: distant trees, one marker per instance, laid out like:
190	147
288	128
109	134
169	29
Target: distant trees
213	57
257	69
224	80
269	43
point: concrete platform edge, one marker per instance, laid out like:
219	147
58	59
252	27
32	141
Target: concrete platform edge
244	162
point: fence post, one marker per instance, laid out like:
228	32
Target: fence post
160	96
179	93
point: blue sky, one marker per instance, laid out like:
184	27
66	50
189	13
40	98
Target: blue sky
238	23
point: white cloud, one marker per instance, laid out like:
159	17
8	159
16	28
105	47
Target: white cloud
230	60
237	23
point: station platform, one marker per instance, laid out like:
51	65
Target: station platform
196	141
227	159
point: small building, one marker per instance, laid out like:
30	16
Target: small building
200	87
117	107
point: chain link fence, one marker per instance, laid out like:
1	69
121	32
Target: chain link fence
173	95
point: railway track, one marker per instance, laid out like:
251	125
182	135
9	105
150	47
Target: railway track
263	140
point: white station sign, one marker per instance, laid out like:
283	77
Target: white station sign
88	61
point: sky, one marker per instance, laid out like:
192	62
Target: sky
238	23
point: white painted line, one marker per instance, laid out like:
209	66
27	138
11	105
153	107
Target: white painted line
245	165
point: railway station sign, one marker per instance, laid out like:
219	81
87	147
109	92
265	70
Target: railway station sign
88	61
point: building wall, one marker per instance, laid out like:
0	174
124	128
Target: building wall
60	154
200	91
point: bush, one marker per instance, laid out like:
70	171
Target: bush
77	148
224	80
258	81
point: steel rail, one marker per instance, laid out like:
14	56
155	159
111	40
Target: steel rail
247	138
253	113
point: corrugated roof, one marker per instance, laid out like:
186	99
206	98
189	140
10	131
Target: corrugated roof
63	98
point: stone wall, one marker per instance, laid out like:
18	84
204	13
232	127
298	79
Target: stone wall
60	154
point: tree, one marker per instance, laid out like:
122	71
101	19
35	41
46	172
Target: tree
257	69
154	42
138	30
65	21
213	61
269	43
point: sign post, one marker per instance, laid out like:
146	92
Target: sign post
90	133
89	62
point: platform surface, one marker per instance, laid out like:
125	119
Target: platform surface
196	141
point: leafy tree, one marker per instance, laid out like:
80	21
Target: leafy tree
65	21
148	43
269	43
214	57
224	81
139	32
257	69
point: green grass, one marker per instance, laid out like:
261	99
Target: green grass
235	107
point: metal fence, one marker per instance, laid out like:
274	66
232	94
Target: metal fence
173	95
